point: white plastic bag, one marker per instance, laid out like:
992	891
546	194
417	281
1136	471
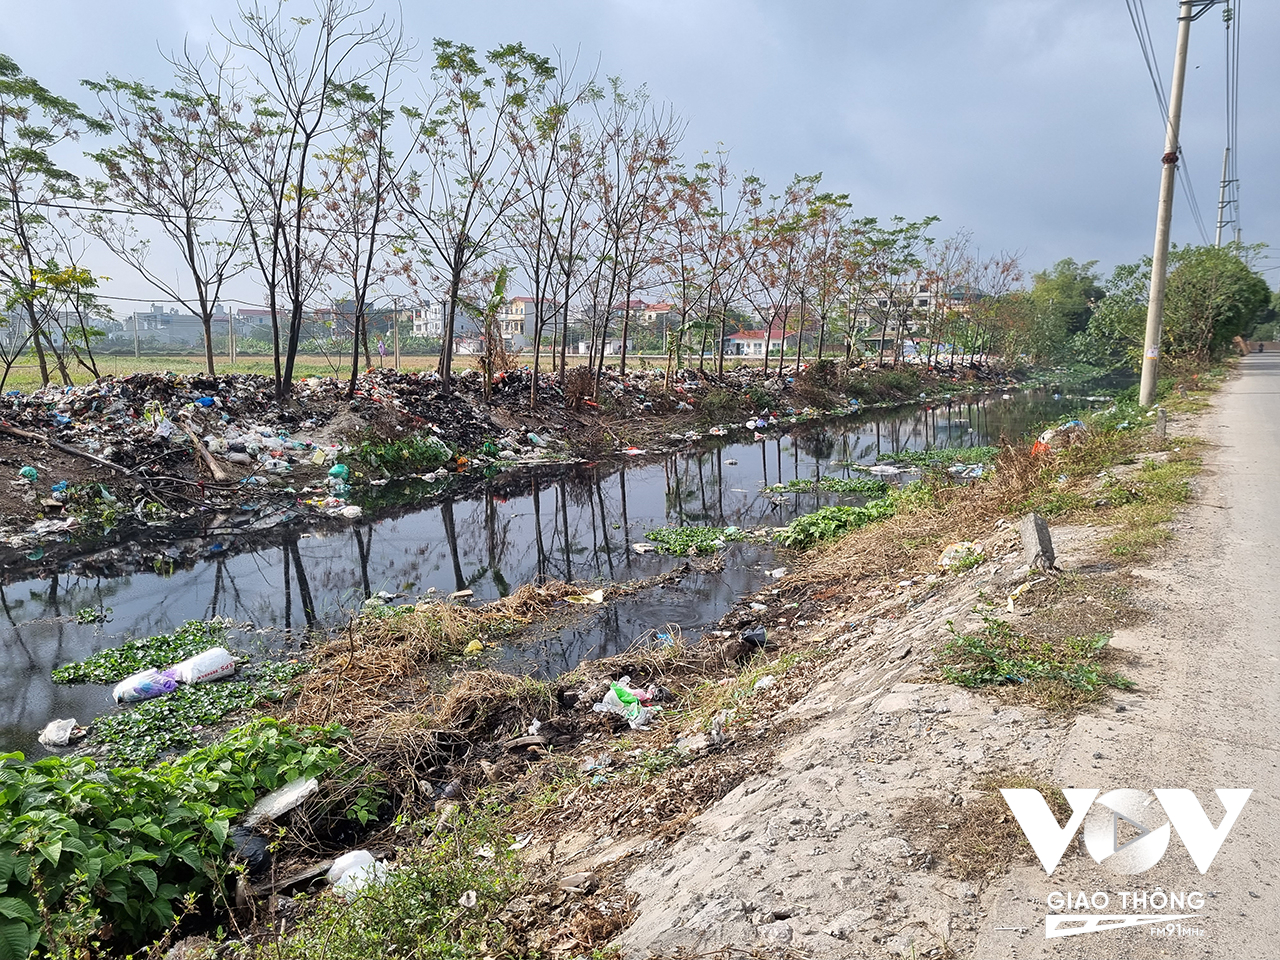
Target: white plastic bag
143	686
58	733
352	872
281	800
347	862
213	664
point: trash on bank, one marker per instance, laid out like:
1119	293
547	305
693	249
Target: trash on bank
628	703
957	553
213	664
354	871
281	800
59	733
595	596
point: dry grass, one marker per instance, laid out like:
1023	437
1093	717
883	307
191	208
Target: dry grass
488	700
379	665
977	839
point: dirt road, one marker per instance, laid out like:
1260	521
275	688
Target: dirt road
1205	715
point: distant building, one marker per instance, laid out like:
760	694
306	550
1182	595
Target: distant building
171	326
429	319
751	343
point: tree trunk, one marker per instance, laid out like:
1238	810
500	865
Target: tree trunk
207	321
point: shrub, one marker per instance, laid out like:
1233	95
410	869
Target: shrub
124	845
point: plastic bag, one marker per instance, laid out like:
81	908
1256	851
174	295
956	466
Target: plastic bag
144	686
213	664
626	703
59	733
352	872
281	800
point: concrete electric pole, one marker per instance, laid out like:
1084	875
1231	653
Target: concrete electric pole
1223	202
1188	10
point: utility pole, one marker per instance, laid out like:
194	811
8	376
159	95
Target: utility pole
1188	10
1222	199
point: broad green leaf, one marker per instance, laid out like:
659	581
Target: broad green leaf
16	940
148	878
11	908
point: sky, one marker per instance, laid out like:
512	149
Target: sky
1031	123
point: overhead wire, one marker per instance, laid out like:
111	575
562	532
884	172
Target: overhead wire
1142	28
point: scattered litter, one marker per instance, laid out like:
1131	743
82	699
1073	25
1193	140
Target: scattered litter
252	850
29	474
144	685
281	800
1023	588
643	548
462	595
473	648
355	878
957	553
595	596
764	683
628	703
468	900
778	573
758	607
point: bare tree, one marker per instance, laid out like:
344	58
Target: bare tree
165	168
268	129
355	192
637	150
460	202
540	139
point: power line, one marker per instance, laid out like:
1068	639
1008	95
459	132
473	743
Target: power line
1142	28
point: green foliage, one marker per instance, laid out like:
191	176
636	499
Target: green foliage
127	844
95	507
418	911
845	485
1065	296
116	663
830	523
941	457
413	454
693	540
997	655
146	731
1211	296
88	615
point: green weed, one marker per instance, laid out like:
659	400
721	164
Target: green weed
413	454
116	663
121	847
683	541
439	901
940	457
140	735
830	523
997	655
842	485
